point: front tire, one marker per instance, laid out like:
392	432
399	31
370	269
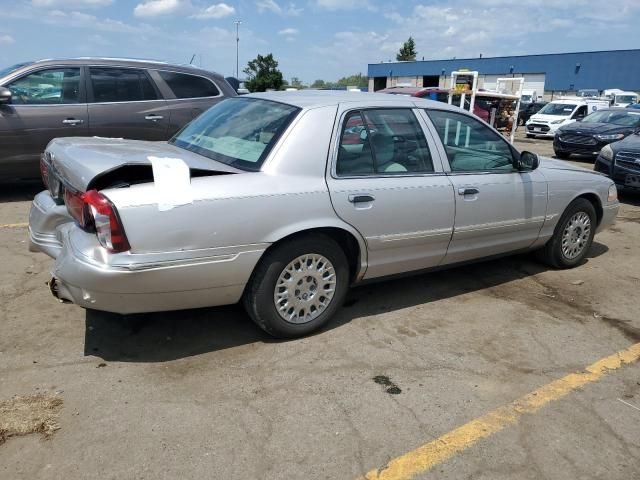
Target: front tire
572	237
529	135
562	155
298	286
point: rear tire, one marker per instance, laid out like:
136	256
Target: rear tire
298	286
572	237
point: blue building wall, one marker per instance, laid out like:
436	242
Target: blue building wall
606	69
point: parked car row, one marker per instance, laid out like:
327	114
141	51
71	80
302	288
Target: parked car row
132	99
610	135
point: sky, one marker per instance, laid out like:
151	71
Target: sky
311	39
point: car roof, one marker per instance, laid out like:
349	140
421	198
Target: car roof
323	98
122	62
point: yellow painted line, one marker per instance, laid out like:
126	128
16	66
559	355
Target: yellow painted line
14	225
441	449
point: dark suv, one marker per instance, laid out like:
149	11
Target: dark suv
134	99
529	109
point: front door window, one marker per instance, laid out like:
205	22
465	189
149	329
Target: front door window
47	87
471	146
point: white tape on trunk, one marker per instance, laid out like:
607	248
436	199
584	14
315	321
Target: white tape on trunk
172	179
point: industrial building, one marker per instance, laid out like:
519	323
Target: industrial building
554	74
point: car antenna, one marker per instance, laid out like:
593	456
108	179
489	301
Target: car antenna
192	58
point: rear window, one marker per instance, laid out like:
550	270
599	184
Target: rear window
184	85
239	131
121	85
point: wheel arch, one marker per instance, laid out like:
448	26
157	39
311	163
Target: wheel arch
594	199
345	236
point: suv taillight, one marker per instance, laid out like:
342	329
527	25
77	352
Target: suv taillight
92	210
44	171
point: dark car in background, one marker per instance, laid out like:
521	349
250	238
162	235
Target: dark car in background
621	162
122	98
529	109
588	136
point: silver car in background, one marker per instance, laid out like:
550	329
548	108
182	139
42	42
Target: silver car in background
283	200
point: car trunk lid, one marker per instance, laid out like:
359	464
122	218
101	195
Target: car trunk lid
85	163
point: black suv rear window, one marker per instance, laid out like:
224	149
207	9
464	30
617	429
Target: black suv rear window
121	85
184	85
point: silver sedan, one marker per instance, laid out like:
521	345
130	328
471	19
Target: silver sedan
284	200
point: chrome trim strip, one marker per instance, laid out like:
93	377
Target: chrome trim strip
533	221
394	237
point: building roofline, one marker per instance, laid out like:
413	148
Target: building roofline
506	56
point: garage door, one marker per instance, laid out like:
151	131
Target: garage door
534	81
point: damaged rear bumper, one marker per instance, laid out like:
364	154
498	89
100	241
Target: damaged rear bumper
88	275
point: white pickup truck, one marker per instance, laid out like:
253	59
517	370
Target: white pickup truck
623	99
553	115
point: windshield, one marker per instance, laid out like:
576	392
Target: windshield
626	99
6	71
560	109
526	99
615	117
587	93
239	131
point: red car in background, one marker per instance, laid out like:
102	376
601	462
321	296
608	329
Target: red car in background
480	109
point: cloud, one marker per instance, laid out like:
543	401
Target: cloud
6	39
289	31
272	6
344	4
71	3
269	5
217	10
85	20
153	8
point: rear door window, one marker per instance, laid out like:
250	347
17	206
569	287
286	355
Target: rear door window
382	142
121	85
47	87
184	85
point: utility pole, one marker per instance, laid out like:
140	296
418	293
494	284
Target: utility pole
237	22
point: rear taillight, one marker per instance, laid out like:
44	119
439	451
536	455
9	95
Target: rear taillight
44	171
76	207
93	210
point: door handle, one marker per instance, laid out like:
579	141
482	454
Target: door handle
153	118
468	191
361	198
72	121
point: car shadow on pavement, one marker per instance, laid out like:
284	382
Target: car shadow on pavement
166	336
20	191
629	198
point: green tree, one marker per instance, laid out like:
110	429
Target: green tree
408	51
318	84
263	73
297	83
357	80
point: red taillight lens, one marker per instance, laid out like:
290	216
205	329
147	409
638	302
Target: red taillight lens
92	209
76	207
44	171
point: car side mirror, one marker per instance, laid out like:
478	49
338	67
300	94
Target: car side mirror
528	161
5	96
